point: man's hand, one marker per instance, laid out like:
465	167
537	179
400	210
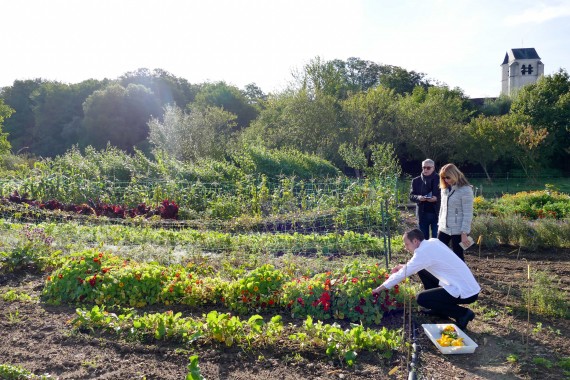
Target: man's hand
397	268
432	199
378	289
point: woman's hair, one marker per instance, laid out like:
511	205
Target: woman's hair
455	174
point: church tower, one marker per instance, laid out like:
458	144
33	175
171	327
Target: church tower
520	67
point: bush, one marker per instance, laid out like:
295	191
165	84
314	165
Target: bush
535	204
518	231
546	296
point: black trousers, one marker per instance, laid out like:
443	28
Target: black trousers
455	240
439	300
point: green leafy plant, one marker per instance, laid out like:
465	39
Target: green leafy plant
344	345
34	249
11	372
546	297
194	369
512	358
12	295
257	290
543	362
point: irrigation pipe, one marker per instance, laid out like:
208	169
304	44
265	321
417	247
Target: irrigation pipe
412	374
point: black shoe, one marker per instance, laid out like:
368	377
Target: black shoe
465	319
432	313
429	312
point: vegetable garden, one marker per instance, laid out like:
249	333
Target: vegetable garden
272	275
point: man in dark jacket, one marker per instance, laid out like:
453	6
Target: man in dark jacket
425	193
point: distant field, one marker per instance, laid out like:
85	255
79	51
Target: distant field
506	185
501	185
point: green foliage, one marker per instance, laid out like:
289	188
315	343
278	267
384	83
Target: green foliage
354	157
200	133
119	115
353	297
546	296
259	161
528	219
371	118
229	98
11	372
496	106
542	362
309	296
254	332
564	363
401	81
546	103
194	369
427	115
12	296
297	120
5	113
259	289
535	204
384	161
33	250
344	345
518	231
103	278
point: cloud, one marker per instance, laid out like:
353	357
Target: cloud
538	15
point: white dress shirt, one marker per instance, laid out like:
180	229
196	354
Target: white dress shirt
435	257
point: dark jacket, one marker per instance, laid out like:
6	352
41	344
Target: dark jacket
424	185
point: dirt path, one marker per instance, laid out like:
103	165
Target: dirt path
39	338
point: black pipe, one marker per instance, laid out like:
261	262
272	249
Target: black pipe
412	375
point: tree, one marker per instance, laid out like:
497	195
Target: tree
384	161
299	121
485	140
354	157
254	95
337	78
194	135
119	116
47	114
168	88
547	105
20	127
496	107
371	117
5	113
402	81
430	121
230	98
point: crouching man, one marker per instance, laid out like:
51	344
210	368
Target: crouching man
447	280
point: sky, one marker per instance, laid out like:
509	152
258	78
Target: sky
460	43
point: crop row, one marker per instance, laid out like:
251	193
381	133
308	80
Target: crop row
106	279
251	333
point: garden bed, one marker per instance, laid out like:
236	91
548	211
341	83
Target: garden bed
512	344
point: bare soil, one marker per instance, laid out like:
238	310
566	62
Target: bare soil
39	338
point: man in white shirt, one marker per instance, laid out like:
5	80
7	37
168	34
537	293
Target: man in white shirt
447	280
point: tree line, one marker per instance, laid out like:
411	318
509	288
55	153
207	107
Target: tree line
350	113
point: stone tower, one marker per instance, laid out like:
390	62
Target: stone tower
520	67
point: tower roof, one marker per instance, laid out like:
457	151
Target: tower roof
522	53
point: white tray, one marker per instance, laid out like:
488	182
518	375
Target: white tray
433	331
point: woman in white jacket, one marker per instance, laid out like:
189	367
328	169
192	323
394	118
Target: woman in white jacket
456	211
